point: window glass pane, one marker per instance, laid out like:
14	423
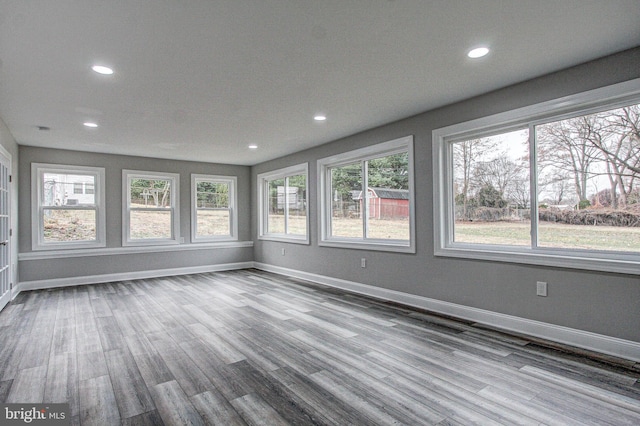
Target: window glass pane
66	189
346	198
492	202
588	181
212	209
212	194
212	223
297	205
69	225
388	197
150	193
276	207
150	224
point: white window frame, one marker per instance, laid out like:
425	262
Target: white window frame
232	182
127	176
396	146
37	209
604	98
263	203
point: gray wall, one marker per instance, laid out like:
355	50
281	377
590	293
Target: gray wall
602	303
33	270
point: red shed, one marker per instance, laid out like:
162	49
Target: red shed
385	203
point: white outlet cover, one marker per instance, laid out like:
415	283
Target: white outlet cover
541	288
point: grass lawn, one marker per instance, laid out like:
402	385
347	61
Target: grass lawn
550	235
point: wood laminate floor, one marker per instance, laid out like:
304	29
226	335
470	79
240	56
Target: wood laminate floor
249	347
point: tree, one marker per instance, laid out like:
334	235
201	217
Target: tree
158	189
562	148
466	155
488	196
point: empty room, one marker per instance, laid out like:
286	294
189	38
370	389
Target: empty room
280	212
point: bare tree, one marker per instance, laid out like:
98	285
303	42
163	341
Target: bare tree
562	147
466	155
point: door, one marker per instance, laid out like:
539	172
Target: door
5	230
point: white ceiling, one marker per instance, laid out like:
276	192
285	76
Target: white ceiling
203	79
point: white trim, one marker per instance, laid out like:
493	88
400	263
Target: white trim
622	348
583	103
263	208
127	175
37	210
232	182
115	251
12	246
395	146
127	276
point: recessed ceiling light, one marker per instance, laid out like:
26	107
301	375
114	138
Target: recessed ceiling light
101	69
478	52
253	146
90	124
320	117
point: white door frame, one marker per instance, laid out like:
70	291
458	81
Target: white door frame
6	239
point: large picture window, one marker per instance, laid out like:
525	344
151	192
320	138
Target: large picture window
151	203
366	197
214	215
283	204
556	183
65	214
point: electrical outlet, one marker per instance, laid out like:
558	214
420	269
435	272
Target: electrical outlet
363	262
283	252
541	288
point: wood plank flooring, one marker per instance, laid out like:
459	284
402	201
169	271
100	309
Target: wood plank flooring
249	347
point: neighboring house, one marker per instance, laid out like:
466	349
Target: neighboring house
68	190
385	203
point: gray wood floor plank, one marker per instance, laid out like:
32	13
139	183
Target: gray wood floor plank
91	365
150	418
190	378
97	402
5	387
28	386
250	347
62	382
173	405
257	412
132	395
216	410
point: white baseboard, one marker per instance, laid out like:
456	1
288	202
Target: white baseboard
626	349
96	279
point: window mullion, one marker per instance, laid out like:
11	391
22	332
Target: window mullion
533	185
365	199
286	205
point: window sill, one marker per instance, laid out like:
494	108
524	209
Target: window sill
68	246
368	245
285	239
115	251
622	263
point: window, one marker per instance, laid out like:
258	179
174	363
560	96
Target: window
554	184
62	217
213	201
366	198
282	200
151	203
